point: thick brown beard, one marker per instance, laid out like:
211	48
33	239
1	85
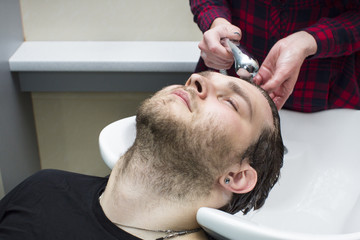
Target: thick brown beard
182	160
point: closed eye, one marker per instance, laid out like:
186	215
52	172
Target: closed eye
232	104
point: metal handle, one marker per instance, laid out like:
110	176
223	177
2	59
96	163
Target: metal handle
245	66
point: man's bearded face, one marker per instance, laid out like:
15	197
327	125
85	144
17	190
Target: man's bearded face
190	152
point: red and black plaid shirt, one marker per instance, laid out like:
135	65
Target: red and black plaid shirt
328	79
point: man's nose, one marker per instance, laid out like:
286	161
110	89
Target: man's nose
200	85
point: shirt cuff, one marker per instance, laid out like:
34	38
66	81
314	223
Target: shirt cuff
324	37
207	17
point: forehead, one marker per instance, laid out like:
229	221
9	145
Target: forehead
256	95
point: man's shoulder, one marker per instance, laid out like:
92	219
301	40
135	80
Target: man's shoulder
49	173
54	180
55	177
47	185
60	174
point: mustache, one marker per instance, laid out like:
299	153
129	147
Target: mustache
192	92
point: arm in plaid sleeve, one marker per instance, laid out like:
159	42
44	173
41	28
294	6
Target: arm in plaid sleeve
337	36
205	11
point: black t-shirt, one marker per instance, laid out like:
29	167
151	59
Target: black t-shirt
54	204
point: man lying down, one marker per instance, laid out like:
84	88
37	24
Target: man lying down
214	142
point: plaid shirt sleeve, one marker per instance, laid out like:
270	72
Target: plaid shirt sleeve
328	79
205	12
337	36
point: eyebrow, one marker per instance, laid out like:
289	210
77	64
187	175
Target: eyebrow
237	90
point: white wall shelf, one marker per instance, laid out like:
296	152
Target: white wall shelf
103	66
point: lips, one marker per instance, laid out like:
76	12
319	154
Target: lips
183	96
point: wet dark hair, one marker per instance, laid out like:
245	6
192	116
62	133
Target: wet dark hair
265	155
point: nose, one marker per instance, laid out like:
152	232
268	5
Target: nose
199	84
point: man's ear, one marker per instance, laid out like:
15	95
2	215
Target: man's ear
239	178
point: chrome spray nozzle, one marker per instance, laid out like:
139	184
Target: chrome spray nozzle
246	67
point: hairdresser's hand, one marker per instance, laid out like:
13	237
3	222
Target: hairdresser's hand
213	52
280	69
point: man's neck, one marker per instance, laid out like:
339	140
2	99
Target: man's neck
135	196
136	206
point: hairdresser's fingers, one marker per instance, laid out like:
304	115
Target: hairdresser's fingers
216	64
213	51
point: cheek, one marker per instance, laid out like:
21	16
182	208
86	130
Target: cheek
225	119
223	115
229	122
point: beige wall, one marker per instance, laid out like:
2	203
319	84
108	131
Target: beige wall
108	20
68	124
68	127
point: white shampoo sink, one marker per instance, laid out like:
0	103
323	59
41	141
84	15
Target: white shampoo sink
318	194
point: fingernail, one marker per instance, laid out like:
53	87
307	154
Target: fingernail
237	33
